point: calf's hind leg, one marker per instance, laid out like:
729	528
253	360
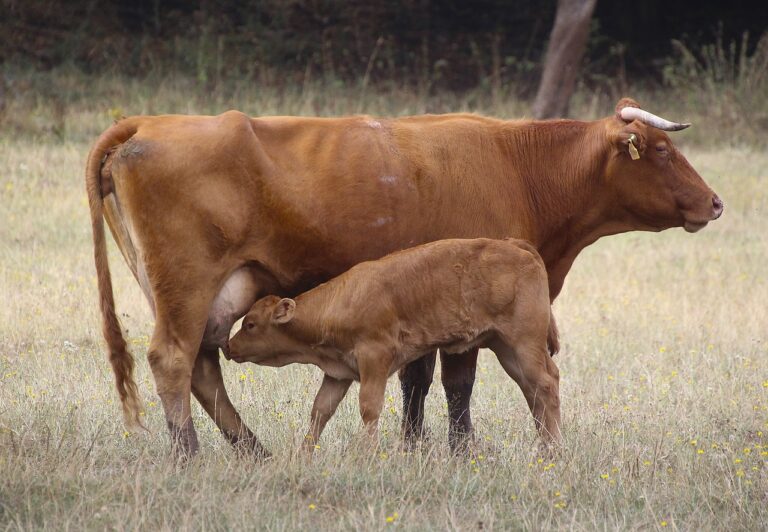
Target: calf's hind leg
530	365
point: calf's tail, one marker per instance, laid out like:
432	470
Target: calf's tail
553	335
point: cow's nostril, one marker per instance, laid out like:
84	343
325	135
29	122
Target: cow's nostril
717	203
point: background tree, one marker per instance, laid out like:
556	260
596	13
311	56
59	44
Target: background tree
567	44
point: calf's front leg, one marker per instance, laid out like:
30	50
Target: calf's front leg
328	397
373	365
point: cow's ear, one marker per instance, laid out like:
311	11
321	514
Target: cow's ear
283	311
630	139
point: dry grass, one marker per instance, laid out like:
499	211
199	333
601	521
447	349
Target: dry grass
664	384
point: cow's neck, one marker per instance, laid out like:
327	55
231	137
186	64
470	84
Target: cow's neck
564	166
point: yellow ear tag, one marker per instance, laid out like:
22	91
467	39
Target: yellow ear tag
632	150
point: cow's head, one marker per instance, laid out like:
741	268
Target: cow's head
655	186
263	335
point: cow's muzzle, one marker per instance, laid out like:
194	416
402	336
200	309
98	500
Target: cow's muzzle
718	207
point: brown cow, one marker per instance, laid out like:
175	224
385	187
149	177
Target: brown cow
365	324
213	212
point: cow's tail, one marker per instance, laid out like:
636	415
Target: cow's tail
553	335
119	357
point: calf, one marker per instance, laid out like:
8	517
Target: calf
378	316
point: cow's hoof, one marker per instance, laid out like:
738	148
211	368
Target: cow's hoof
252	449
416	439
461	443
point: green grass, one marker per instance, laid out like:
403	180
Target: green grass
664	370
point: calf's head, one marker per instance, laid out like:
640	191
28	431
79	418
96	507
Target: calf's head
654	186
263	334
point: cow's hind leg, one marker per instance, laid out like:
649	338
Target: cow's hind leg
172	358
415	380
241	289
208	388
458	375
182	312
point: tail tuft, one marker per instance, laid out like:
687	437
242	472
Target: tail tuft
553	336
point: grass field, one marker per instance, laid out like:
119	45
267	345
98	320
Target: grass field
664	383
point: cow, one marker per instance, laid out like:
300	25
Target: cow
213	212
454	294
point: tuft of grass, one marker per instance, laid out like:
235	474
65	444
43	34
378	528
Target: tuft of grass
664	386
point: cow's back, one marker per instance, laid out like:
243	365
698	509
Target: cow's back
307	198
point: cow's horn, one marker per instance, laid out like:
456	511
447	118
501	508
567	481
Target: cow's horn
633	113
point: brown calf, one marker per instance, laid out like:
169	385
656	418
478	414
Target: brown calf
365	324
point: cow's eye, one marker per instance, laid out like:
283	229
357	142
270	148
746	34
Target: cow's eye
662	150
250	325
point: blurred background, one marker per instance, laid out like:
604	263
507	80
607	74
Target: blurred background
326	57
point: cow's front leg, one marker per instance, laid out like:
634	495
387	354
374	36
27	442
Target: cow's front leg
208	388
458	376
415	380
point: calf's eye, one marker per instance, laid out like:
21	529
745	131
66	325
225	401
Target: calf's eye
250	325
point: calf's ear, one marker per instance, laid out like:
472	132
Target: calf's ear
283	311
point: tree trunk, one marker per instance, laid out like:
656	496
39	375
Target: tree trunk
567	43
